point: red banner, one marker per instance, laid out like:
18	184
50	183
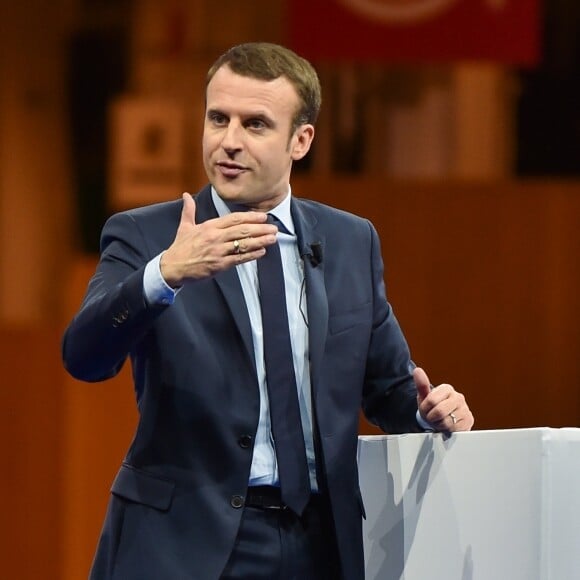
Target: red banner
416	30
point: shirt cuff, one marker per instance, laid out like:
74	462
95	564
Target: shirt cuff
425	425
156	291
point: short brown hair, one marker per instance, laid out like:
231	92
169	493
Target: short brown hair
267	61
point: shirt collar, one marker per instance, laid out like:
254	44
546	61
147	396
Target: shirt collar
281	211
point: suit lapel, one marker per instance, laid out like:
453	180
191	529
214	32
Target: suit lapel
308	233
228	281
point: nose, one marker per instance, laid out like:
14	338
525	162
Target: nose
231	138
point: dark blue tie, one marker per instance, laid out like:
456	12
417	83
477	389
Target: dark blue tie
281	381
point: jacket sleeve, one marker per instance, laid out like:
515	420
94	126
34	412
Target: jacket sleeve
389	394
114	315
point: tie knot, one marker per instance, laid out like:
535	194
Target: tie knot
272	219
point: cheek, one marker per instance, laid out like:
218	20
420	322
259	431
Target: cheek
206	148
275	155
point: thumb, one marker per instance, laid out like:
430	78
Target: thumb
188	210
422	383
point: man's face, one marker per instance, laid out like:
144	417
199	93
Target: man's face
248	147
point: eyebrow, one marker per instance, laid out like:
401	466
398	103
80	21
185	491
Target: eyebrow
214	111
261	115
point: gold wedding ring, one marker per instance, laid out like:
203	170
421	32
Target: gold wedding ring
453	418
237	249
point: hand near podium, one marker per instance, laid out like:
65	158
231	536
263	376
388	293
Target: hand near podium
442	406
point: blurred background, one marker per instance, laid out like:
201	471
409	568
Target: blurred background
454	125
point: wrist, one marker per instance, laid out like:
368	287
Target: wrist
169	273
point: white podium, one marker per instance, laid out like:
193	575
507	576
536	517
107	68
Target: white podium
485	505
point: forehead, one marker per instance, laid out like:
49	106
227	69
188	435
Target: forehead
228	90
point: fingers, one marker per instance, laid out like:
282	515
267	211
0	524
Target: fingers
228	241
244	232
238	224
244	236
446	409
244	217
188	210
241	251
202	250
248	235
248	248
422	383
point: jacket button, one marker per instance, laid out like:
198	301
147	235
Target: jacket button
245	441
237	501
120	317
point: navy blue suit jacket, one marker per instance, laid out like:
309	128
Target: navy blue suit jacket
175	505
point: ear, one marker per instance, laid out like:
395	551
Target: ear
301	141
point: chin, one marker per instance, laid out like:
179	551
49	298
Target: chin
228	192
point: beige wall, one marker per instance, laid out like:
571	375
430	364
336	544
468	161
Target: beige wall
36	226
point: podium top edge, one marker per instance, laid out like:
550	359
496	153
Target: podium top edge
545	430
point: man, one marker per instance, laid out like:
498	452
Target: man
205	491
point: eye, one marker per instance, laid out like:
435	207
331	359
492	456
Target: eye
217	118
256	124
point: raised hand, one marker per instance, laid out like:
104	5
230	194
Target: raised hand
201	250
